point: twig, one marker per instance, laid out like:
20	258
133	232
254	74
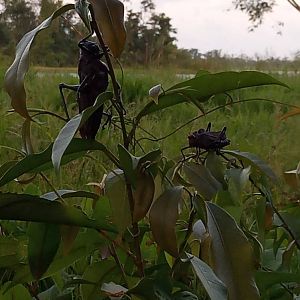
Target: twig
135	232
117	260
211	111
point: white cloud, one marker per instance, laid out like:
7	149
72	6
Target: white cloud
214	24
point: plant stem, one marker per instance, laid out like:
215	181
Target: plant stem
118	103
135	233
208	112
117	260
285	225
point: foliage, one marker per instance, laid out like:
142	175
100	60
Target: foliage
201	225
256	9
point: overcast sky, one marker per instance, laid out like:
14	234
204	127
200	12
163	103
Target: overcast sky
214	24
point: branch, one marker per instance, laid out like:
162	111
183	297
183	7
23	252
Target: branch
213	110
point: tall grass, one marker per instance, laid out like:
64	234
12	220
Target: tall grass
252	126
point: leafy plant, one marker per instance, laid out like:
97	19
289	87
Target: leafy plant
203	225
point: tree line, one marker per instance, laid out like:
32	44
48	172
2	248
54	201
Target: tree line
150	35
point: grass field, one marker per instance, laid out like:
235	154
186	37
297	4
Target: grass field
252	126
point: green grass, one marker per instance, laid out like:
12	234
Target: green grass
251	126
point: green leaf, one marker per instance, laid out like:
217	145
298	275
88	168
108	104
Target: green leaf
6	166
82	8
184	295
44	240
255	162
85	244
25	207
201	88
151	157
143	195
128	164
69	194
266	280
14	77
214	287
109	16
163	216
291	218
201	178
232	254
97	273
67	133
201	73
217	169
150	289
11	251
68	236
35	163
17	292
115	188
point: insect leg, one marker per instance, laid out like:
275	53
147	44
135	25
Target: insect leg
70	87
182	153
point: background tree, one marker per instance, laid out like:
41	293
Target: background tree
59	46
17	18
150	36
256	9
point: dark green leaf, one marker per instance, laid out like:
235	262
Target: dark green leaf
255	162
85	244
15	293
11	251
201	73
115	188
69	194
184	296
143	195
214	164
35	163
14	77
266	280
163	216
44	240
67	133
151	157
128	164
201	88
32	208
214	287
201	178
97	273
291	218
6	166
232	254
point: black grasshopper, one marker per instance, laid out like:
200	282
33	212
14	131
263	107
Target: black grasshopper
93	76
208	140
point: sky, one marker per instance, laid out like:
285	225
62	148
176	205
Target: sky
214	24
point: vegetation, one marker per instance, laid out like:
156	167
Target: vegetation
129	216
256	9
